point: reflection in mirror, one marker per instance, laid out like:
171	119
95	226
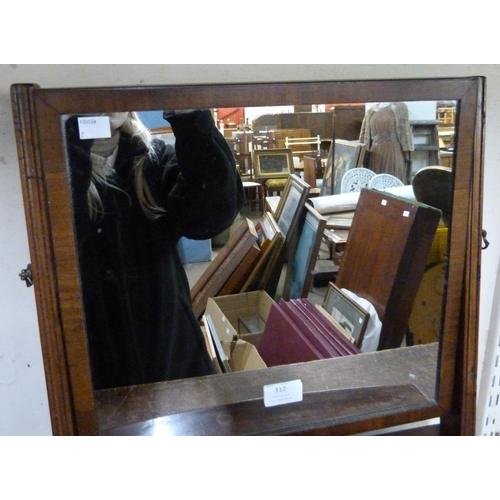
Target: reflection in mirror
358	391
132	201
133	197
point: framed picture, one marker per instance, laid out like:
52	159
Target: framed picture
222	267
272	163
303	255
271	241
268	225
327	185
342	156
269	261
291	204
348	313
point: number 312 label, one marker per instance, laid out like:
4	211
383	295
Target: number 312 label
283	393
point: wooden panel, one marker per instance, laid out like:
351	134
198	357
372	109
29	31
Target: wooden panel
348	121
385	257
413	365
239	419
312	170
292	133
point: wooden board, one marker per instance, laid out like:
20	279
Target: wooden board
385	257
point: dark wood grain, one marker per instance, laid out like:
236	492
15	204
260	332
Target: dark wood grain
253	418
385	258
414	366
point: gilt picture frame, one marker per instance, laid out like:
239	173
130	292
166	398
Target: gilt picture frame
272	163
291	204
268	225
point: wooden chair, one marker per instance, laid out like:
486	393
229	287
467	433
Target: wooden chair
274	186
242	161
272	168
263	140
312	172
254	190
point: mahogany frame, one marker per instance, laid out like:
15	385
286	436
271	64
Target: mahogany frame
73	403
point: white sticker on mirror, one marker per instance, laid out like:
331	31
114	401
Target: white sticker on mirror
406	213
283	393
383	202
94	127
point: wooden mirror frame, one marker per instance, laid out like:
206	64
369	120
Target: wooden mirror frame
37	116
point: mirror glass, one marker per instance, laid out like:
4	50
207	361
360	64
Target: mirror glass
432	128
76	408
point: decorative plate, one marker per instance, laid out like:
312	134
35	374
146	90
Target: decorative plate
382	181
356	179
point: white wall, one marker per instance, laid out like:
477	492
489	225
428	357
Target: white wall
23	400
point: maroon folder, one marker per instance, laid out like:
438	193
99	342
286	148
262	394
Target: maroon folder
309	329
283	342
343	344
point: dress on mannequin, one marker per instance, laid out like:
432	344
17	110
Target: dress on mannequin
387	134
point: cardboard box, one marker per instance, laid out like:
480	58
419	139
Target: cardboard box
239	354
243	356
239	321
240	316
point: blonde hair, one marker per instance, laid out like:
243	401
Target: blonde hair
100	173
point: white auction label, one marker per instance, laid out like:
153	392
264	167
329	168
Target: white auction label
283	393
94	127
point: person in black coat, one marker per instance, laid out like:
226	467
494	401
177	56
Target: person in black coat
133	198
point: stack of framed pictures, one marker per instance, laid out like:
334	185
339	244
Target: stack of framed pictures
272	244
253	257
226	264
288	214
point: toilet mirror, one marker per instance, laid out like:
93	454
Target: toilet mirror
38	117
